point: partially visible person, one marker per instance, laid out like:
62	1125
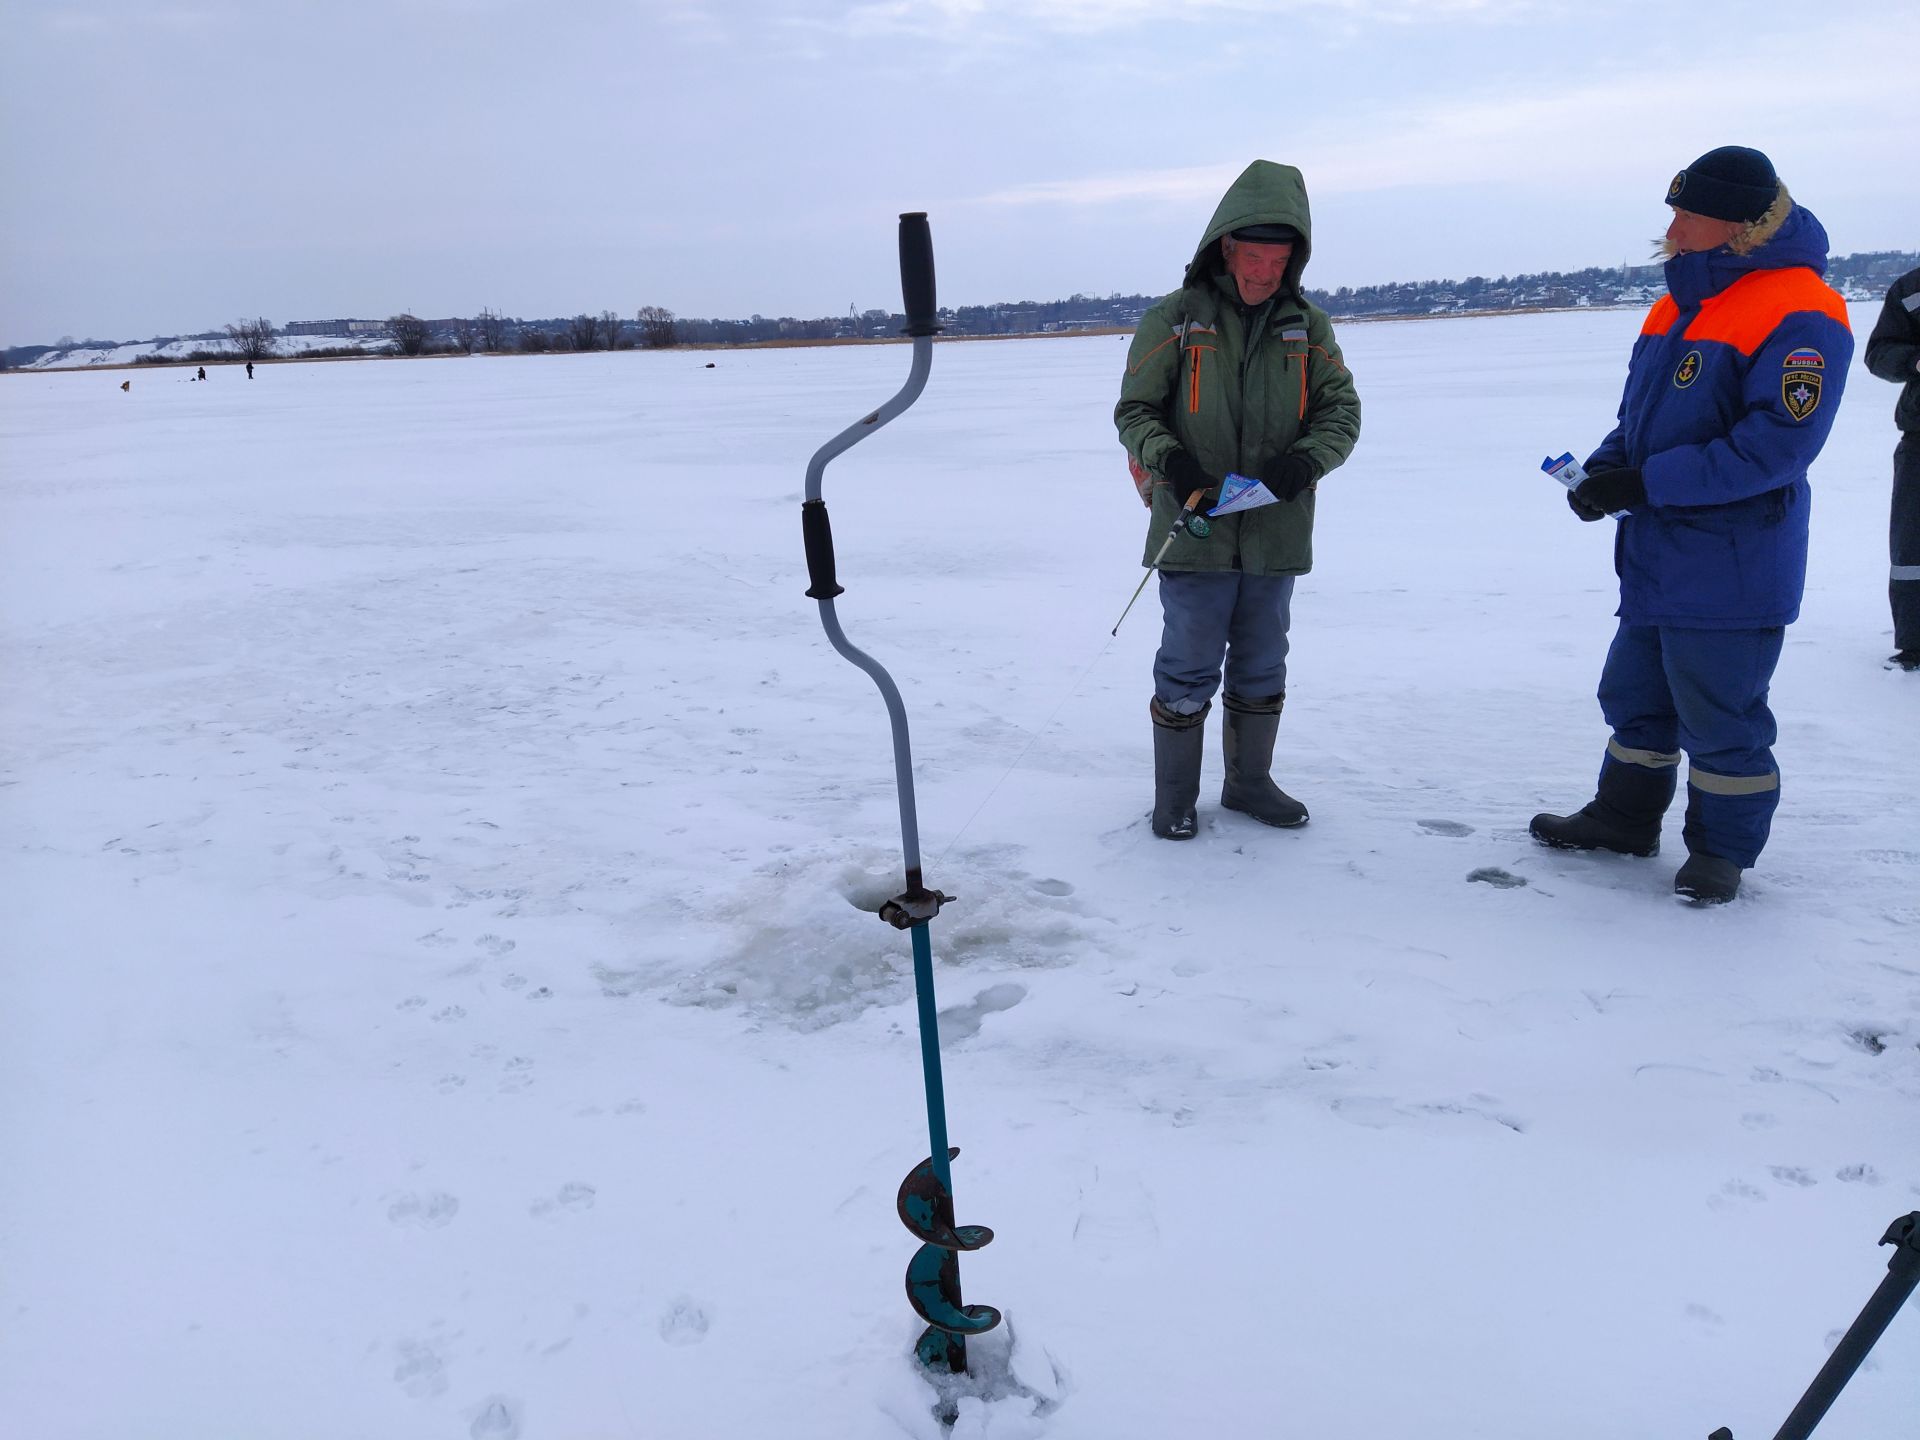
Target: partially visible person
1236	371
1893	353
1731	390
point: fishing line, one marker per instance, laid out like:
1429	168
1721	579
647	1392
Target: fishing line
1032	740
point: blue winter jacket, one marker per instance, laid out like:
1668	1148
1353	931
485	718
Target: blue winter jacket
1730	393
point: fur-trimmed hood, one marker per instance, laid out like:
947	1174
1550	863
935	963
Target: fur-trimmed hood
1266	193
1787	235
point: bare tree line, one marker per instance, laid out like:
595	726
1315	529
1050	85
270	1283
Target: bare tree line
652	328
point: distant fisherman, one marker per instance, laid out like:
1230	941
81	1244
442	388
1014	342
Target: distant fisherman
1893	353
1234	372
1731	390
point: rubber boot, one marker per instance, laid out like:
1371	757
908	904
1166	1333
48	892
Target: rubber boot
1588	828
1623	816
1177	743
1247	738
1709	879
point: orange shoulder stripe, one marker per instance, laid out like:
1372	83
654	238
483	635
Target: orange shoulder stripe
1136	369
1660	319
1745	313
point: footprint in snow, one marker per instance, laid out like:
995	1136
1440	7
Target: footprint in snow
1733	1193
962	1022
429	1212
1444	827
1053	887
496	1418
419	1370
571	1198
684	1323
1858	1175
1493	875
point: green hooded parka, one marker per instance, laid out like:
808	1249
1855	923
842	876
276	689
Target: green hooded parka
1238	387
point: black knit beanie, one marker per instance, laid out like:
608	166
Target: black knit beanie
1731	183
1267	234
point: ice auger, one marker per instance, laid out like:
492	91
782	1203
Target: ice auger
1903	1275
926	1195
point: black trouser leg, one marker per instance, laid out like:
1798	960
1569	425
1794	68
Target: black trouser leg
1903	586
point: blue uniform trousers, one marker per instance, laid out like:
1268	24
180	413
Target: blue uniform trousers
1667	689
1211	615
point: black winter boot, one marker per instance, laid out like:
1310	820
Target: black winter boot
1177	743
1588	828
1247	739
1624	814
1710	879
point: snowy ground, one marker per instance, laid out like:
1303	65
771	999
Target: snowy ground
442	998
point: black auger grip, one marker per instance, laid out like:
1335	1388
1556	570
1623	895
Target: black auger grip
916	273
817	532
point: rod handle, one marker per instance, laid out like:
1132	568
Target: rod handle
817	532
916	273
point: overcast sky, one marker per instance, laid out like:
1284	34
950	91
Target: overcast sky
172	166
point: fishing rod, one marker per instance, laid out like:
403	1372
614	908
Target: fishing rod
1188	521
925	1200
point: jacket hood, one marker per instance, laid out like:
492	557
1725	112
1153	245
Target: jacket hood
1266	193
1787	235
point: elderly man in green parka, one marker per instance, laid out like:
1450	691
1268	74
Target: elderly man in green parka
1233	373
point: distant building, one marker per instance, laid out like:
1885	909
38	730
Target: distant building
345	329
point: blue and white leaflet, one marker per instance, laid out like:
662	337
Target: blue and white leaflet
1242	492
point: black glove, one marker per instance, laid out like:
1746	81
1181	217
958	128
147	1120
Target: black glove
1610	490
1289	476
1583	511
1184	474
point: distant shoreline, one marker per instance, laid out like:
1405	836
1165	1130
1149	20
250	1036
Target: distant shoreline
839	340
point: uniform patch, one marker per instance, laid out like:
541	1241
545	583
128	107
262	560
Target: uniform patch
1679	184
1805	358
1800	392
1689	370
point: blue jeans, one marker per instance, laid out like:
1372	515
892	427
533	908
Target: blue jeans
1666	689
1211	615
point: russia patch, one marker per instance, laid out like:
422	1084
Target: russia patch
1805	358
1800	392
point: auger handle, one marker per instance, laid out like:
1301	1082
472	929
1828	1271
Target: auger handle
916	273
816	532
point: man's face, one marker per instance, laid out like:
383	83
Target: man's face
1256	269
1690	232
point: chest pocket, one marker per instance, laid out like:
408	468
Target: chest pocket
1298	356
1200	349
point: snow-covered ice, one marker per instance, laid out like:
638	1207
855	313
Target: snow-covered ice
443	996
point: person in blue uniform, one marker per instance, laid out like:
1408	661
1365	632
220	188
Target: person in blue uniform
1731	391
1893	353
